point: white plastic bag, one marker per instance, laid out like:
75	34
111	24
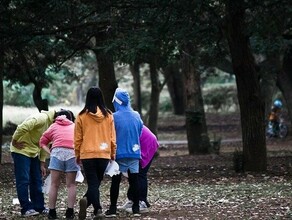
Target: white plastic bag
47	184
79	177
112	168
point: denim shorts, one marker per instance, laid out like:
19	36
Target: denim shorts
64	166
128	164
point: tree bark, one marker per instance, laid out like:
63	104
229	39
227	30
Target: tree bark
135	70
1	103
154	97
175	87
284	80
107	78
41	104
196	128
249	96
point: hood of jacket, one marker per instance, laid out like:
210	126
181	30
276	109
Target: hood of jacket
63	120
121	99
98	116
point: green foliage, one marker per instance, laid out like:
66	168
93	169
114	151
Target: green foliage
165	105
57	94
17	95
221	98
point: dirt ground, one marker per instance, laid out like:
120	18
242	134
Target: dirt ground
195	187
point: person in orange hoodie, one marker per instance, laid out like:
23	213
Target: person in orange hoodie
95	146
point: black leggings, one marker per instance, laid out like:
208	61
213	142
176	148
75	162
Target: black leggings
94	171
133	185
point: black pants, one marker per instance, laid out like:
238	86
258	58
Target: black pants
133	185
143	184
94	172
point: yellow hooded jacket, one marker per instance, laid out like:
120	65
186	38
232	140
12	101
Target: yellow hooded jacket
95	136
30	131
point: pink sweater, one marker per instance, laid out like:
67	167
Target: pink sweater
60	133
149	146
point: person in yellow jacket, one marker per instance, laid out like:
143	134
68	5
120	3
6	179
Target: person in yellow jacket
29	162
95	146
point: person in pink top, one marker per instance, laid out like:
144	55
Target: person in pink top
62	159
149	146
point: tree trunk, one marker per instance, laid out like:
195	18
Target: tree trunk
251	105
41	104
1	104
107	78
196	128
154	97
135	70
284	80
175	88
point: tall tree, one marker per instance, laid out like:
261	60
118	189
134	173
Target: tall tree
107	79
154	100
135	70
1	104
248	88
175	85
197	135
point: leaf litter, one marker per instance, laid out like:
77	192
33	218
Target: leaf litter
178	191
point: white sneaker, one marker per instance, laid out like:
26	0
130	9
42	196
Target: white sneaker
30	212
126	205
142	206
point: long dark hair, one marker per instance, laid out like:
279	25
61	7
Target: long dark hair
94	99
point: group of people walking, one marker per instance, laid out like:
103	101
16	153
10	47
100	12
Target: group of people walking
92	140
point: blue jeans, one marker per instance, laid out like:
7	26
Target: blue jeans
28	182
94	172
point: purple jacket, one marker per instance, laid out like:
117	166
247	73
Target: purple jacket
149	146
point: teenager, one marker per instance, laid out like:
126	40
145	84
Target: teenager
128	124
95	146
29	162
60	135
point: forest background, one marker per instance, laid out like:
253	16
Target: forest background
166	53
182	41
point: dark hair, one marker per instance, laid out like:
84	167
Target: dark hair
94	99
69	115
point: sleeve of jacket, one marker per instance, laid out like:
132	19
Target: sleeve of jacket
43	155
46	138
78	136
113	140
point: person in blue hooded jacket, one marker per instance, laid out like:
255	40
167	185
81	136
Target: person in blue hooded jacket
128	125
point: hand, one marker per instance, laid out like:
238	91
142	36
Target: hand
78	161
43	169
18	144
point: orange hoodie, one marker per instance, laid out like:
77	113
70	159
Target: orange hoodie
95	136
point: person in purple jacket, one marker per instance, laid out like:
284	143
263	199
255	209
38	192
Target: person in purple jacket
149	146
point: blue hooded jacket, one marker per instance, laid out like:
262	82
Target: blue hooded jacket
128	125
